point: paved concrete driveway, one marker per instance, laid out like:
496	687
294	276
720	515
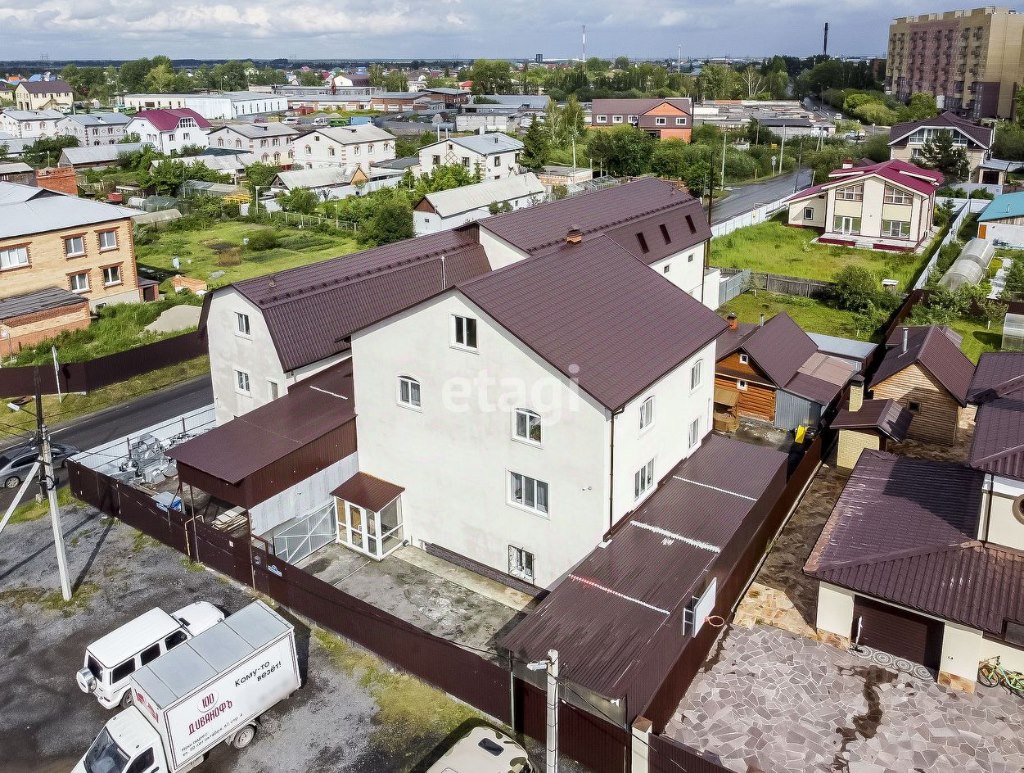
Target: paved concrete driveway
772	701
353	713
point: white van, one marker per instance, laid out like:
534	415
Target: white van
484	750
112	659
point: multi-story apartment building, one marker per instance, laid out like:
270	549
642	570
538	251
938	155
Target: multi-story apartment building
94	128
60	257
970	60
359	145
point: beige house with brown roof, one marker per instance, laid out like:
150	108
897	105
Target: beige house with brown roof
44	95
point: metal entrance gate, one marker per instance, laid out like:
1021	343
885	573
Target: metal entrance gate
308	534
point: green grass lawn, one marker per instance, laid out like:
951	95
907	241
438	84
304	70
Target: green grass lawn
219	248
977	338
812	315
778	249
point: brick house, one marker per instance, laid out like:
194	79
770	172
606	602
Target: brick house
664	119
56	248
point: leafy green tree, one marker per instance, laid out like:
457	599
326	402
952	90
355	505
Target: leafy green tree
716	81
623	151
301	200
396	81
259	175
310	78
678	160
1009	142
535	147
621	63
572	123
876	113
167	176
46	150
443	178
376	74
921	105
940	153
876	148
160	79
1014	289
597	65
131	76
5	150
392	220
490	76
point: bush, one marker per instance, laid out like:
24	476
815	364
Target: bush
262	240
854	289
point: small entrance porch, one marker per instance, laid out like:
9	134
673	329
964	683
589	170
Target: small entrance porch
369	515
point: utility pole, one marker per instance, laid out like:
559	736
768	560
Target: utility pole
725	136
48	483
551	665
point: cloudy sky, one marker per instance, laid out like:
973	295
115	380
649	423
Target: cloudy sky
440	28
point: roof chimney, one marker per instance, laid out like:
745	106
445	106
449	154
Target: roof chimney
856	393
574	236
762	319
906	338
847	163
733	321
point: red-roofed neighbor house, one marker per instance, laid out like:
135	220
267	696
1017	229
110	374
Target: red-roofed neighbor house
885	206
170	130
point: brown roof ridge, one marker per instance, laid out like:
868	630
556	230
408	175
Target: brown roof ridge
997	455
896	555
616	223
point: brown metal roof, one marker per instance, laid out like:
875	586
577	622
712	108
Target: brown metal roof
999	374
47	87
621	212
603	617
731	340
983	135
255	440
933	350
311	310
905	530
779	347
887	416
637	106
998	443
368	492
598	315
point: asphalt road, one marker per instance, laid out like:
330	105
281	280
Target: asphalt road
743	198
120	420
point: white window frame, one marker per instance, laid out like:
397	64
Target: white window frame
902	231
107	282
414	400
532	419
7	253
273	389
526	484
660	121
647	413
680	121
602	119
103	235
465	328
88	282
808	213
744	359
243	328
895	195
616	119
643	480
68	241
693	433
519	565
696	374
243	382
741	385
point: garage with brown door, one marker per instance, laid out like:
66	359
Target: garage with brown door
901	633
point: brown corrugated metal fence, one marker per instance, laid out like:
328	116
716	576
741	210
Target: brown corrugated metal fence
102	371
669	756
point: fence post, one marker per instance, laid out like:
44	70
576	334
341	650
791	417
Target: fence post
641	750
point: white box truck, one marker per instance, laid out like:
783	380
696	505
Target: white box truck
207	690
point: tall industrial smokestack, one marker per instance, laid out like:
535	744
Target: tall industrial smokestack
584	43
825	48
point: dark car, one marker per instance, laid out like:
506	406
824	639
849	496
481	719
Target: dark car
17	461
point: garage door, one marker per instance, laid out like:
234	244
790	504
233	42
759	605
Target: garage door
898	632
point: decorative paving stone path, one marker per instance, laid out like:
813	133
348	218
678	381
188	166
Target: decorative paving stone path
771	701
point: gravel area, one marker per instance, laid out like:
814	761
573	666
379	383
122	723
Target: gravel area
353	712
772	701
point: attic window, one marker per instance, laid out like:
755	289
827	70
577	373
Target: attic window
643	242
664	234
689	222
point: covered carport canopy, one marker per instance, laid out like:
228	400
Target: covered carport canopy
266	451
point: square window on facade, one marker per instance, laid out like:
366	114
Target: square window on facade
528	492
108	240
528	425
74	246
465	332
80	282
520	563
112	275
409	392
242	382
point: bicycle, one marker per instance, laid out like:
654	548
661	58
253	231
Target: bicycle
991	673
